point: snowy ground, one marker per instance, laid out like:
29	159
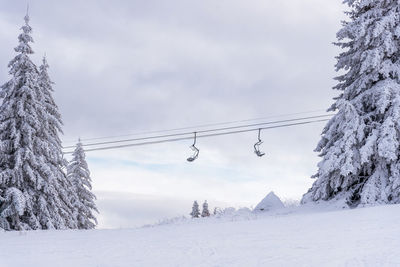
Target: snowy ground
291	237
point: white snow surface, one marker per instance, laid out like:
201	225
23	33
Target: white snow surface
302	236
269	203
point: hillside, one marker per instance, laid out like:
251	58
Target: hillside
297	237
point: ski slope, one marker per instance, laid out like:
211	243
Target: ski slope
291	237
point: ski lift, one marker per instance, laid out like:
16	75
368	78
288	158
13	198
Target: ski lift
195	149
257	145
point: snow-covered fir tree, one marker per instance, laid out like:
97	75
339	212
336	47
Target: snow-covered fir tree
51	128
360	146
33	193
195	210
78	173
205	212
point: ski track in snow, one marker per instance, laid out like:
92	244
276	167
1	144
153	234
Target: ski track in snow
360	237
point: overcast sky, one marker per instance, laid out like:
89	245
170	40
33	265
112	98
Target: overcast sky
129	66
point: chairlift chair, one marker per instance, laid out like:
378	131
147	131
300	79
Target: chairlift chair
195	149
257	145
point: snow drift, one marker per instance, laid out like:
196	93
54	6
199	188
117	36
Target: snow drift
269	203
305	236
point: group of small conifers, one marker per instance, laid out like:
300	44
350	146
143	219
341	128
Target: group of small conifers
204	213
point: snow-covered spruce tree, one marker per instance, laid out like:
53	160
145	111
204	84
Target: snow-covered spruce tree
78	173
32	196
195	210
360	146
51	128
205	212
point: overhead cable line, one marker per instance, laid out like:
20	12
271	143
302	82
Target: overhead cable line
199	126
200	136
200	132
